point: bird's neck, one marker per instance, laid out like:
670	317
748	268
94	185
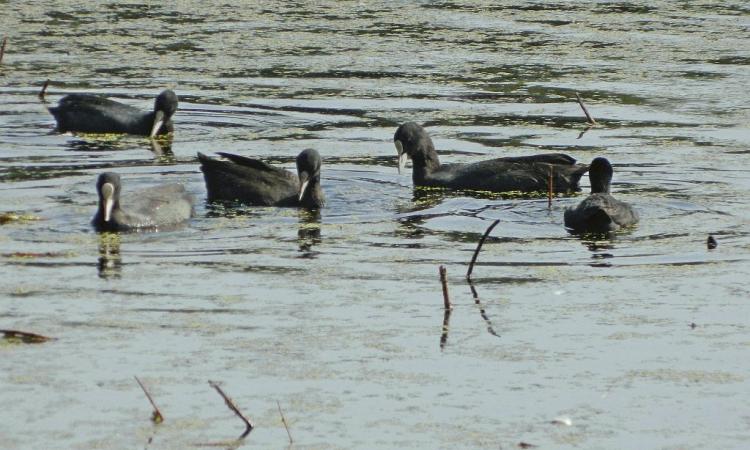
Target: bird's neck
313	197
424	162
600	187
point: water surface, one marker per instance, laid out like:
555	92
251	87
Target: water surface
636	340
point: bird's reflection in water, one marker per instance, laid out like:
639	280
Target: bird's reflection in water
162	148
600	245
308	234
110	263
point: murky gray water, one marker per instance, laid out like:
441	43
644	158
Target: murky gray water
339	317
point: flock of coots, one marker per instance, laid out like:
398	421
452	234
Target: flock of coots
252	182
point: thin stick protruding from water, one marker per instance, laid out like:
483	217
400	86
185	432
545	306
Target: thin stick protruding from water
43	92
156	416
2	48
585	111
479	247
444	282
283	420
549	193
230	404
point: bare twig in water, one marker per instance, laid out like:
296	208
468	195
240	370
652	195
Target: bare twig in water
482	312
585	111
43	92
2	48
550	190
580	135
479	247
25	337
234	408
283	420
444	281
446	326
156	416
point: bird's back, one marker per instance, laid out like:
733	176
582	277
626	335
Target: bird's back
95	114
600	212
248	181
525	173
155	207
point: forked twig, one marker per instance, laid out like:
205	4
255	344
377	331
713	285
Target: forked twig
283	420
585	111
156	416
479	247
230	404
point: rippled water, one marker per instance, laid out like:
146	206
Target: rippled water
637	341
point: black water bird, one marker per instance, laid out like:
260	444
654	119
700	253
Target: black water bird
253	182
600	212
521	173
89	113
156	207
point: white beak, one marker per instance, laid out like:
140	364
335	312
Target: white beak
303	188
158	122
108	192
402	156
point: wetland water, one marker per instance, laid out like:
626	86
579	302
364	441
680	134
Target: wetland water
338	316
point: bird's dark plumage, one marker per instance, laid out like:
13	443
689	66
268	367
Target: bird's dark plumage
522	173
600	212
254	182
148	209
88	113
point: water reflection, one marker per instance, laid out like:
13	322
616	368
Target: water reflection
426	198
482	311
162	148
308	234
446	326
110	262
600	245
95	145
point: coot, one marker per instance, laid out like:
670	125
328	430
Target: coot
88	113
521	173
254	182
600	212
152	208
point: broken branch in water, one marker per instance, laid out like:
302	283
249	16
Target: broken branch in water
479	247
25	337
444	281
283	420
585	111
230	404
156	416
43	92
2	48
